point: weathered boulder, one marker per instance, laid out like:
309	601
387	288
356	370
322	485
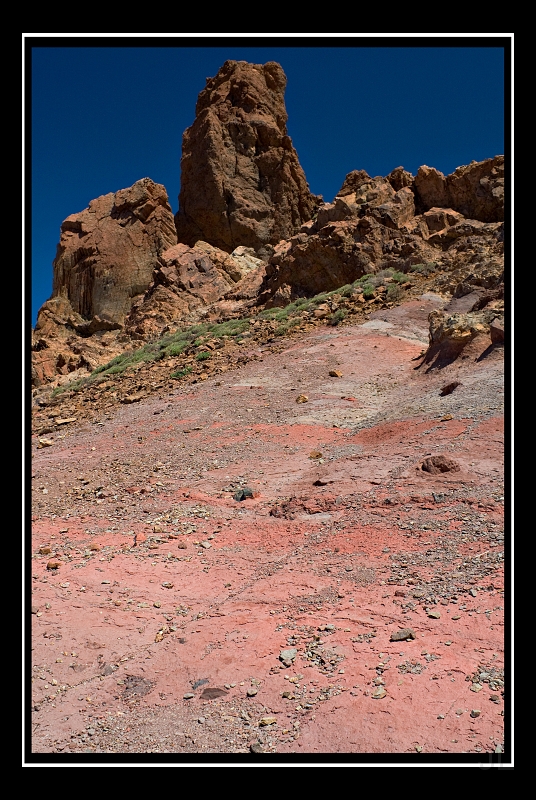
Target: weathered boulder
475	190
450	333
399	178
437	464
496	330
241	181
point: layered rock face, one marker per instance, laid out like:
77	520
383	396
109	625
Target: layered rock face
241	181
395	221
106	253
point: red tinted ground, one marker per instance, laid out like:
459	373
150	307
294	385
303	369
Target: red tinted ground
167	586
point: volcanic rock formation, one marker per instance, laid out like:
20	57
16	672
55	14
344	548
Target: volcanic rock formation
249	233
241	181
104	261
185	280
375	223
106	253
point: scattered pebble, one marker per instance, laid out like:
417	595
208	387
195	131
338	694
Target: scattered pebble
264	721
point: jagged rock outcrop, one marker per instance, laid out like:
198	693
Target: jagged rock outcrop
249	232
475	190
241	181
186	280
388	222
451	332
106	253
104	261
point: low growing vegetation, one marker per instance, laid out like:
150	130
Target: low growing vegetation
186	339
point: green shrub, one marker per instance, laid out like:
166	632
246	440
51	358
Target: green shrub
232	327
424	269
337	317
203	356
181	373
368	291
175	349
382	274
286	326
394	292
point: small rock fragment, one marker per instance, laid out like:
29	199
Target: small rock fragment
264	721
475	713
402	635
437	464
448	388
212	692
288	655
243	494
378	693
334	373
302	398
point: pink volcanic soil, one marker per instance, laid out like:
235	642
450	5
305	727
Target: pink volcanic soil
114	650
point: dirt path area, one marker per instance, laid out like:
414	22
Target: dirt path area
240	573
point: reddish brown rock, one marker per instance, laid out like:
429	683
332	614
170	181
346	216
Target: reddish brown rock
188	279
339	253
241	181
377	222
475	190
450	333
399	178
436	464
496	330
105	260
107	252
431	187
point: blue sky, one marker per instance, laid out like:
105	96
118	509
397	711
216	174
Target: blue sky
104	116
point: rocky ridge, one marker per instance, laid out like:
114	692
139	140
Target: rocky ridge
127	273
